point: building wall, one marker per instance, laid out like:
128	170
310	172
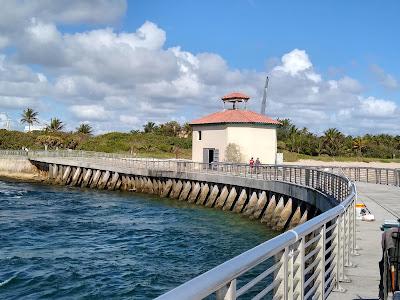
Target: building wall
213	136
254	141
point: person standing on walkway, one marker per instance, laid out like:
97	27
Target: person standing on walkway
258	163
251	163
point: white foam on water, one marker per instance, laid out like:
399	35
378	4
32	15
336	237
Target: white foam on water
7	280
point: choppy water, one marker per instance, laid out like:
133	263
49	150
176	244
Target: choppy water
67	243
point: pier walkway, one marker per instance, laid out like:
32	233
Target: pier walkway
383	202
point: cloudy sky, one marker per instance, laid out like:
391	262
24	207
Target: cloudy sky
118	64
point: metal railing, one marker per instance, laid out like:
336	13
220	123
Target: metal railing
307	262
304	263
333	185
387	176
13	153
384	176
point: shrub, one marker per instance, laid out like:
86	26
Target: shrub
232	153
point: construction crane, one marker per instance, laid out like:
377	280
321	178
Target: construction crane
5	121
264	98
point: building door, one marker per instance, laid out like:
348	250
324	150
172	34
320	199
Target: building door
205	156
216	155
210	155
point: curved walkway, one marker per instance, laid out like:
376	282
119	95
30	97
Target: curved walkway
383	202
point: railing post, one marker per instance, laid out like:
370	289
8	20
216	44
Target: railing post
338	257
321	264
227	292
341	248
347	238
353	219
298	276
397	172
283	275
307	177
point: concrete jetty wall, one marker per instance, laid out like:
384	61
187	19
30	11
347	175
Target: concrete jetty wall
273	208
14	164
20	168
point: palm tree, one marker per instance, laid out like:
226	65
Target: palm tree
294	139
284	130
359	145
186	130
149	127
333	141
84	129
55	125
30	117
319	145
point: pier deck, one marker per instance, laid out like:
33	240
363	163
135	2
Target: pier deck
384	202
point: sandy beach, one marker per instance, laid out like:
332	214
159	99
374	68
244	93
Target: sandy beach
310	162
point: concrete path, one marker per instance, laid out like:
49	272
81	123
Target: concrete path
384	203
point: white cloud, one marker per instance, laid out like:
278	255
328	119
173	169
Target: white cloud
16	102
14	13
386	80
129	120
294	62
119	80
90	112
378	107
349	84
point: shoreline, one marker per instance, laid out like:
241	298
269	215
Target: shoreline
22	177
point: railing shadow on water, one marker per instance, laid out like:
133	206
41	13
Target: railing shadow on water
305	262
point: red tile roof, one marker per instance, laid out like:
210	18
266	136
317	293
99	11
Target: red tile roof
235	116
235	95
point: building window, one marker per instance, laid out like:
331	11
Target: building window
199	135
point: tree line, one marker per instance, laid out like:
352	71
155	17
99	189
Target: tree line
290	138
335	143
169	139
30	117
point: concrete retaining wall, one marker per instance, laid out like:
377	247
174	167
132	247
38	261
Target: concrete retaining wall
14	164
279	205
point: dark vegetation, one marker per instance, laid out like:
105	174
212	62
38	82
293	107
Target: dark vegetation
165	140
333	143
172	139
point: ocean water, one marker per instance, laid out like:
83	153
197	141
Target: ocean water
67	243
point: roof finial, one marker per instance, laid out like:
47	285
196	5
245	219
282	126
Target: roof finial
235	98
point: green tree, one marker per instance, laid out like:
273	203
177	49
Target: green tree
284	130
84	128
186	130
150	127
318	146
294	139
171	128
30	117
55	125
333	142
49	141
232	153
359	144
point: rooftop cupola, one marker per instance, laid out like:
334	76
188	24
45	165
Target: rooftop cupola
235	99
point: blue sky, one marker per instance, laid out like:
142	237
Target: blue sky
340	36
118	64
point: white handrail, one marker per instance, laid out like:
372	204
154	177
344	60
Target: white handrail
303	264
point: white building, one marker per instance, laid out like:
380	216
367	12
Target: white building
34	127
5	121
253	133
